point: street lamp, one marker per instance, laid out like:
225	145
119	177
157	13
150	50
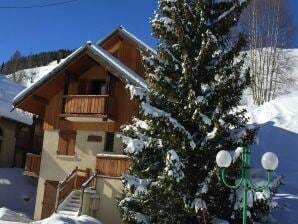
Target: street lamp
269	163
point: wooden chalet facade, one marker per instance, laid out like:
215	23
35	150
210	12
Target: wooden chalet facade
83	102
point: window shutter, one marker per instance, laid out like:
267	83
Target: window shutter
62	144
66	145
71	144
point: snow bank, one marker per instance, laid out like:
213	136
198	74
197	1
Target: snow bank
278	132
59	219
12	217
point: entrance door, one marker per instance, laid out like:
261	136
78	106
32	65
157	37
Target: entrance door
49	198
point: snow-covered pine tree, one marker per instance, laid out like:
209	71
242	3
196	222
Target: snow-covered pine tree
187	114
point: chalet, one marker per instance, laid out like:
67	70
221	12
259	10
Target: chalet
18	135
83	102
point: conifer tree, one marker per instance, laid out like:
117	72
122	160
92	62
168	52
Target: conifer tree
187	114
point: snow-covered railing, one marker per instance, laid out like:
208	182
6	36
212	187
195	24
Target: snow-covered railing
111	165
73	181
32	165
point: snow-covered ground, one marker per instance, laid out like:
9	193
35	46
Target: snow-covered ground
10	217
17	193
59	219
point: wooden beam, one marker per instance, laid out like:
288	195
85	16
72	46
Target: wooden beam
115	47
65	90
71	75
89	126
40	99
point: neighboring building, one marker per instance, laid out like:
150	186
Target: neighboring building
83	102
16	128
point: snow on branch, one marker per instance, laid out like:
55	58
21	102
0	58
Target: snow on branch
134	146
198	204
141	218
174	166
135	91
136	185
150	110
225	14
237	135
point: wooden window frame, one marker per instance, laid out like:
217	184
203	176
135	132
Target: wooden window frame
67	143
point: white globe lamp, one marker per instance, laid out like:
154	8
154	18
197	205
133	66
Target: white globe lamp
269	161
223	159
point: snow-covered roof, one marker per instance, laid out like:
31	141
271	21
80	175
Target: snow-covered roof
8	90
124	33
98	54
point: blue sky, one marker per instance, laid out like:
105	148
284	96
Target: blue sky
70	25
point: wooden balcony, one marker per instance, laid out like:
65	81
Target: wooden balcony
102	106
32	165
111	165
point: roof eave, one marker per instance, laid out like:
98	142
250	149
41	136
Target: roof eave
124	33
28	91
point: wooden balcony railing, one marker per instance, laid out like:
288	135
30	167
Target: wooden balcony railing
101	105
111	165
32	165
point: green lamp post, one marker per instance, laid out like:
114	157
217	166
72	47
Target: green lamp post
269	163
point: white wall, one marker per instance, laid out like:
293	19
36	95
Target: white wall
57	167
107	191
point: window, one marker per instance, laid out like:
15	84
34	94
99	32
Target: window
109	144
92	87
66	145
97	87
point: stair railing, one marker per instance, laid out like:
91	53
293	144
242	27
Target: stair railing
73	181
90	183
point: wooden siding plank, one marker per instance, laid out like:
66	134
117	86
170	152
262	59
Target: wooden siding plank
32	163
111	166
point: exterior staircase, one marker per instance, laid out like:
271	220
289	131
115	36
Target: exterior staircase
71	205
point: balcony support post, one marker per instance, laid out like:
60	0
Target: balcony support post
65	91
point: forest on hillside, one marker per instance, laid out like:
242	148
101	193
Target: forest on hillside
19	62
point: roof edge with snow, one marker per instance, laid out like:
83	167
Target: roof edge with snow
124	33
